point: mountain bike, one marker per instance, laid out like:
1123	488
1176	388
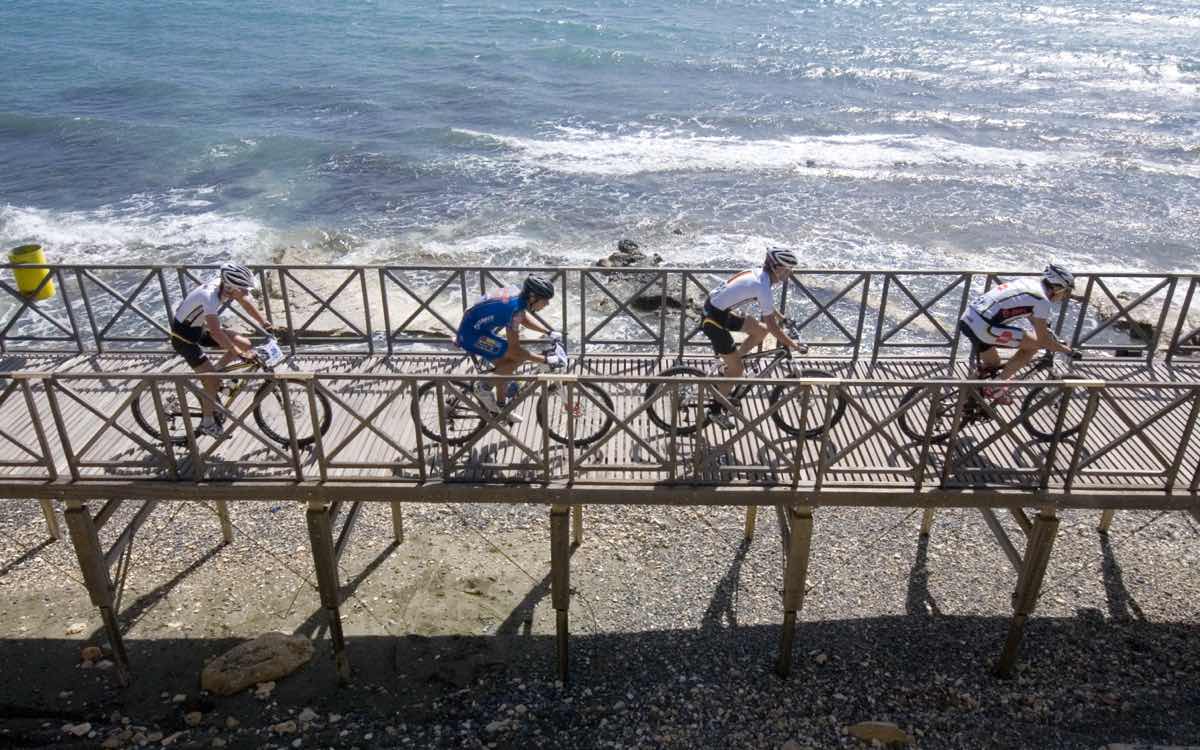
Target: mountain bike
463	416
1039	408
776	363
267	402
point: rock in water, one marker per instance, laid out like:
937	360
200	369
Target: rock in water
268	657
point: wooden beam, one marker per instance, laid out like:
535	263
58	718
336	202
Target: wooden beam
48	513
398	522
751	515
127	534
86	541
1029	585
560	583
226	523
320	535
576	525
1105	521
794	578
1021	519
927	522
1002	539
347	529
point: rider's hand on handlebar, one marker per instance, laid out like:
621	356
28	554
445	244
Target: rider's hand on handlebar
555	336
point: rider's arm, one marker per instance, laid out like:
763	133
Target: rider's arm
513	334
772	323
249	307
224	340
1046	338
528	321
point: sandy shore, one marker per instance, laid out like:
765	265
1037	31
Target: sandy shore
675	624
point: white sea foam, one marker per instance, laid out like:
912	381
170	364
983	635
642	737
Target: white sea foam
870	156
127	234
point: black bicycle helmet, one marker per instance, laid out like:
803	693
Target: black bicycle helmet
537	286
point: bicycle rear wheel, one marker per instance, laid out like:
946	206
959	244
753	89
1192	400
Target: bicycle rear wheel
820	414
591	421
1039	410
272	416
939	407
462	423
672	406
175	413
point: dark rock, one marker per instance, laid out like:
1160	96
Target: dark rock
629	247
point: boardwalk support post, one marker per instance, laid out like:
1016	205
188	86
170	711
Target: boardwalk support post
51	519
795	574
320	534
1105	521
560	580
576	525
927	522
226	524
398	522
95	575
1029	584
751	516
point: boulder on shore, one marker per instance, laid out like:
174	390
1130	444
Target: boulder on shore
1141	323
268	657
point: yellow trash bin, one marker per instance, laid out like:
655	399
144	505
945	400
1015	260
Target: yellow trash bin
29	278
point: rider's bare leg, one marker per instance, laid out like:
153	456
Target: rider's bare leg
989	360
733	369
229	354
211	386
1028	347
755	333
507	365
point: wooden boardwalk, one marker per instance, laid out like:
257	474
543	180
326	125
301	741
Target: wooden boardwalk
1139	449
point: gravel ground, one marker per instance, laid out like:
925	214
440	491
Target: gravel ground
675	628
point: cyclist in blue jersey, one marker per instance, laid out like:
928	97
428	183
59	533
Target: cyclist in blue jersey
505	309
988	323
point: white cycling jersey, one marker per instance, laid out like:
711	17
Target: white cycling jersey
1023	298
202	301
744	287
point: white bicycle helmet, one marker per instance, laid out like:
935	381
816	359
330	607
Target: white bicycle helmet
237	276
780	257
1056	275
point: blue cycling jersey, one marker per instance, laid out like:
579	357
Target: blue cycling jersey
493	313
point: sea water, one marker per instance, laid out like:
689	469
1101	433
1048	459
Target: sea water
974	134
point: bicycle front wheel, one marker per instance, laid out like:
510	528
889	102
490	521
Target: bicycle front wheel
462	423
591	421
820	415
272	416
938	406
1039	411
674	406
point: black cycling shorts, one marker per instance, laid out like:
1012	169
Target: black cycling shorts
718	326
187	341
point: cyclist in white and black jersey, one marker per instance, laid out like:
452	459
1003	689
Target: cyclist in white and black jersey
721	322
988	323
197	323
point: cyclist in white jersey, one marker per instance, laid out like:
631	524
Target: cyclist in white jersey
987	323
197	323
720	322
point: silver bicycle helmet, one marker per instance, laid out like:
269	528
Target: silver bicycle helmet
780	257
1056	275
237	276
536	286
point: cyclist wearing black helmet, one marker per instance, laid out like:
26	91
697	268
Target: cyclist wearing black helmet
197	323
504	308
987	323
720	322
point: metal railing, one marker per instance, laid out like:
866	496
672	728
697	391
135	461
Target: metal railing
338	309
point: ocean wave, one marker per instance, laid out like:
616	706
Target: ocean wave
138	230
589	152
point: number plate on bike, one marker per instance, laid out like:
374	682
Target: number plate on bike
270	353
